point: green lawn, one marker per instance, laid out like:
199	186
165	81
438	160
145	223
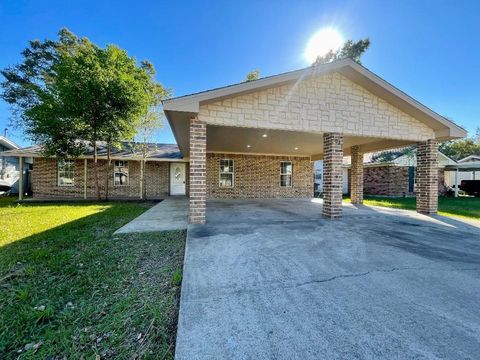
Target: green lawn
468	207
70	289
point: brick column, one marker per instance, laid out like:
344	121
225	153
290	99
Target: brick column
356	176
198	170
427	177
332	174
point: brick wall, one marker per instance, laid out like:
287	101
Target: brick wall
427	177
197	171
392	181
328	103
356	176
332	175
44	180
258	176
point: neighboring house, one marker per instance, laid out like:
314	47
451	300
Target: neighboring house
258	139
396	177
469	169
9	174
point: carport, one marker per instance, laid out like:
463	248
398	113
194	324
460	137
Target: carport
463	167
280	124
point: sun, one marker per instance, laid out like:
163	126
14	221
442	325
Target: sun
321	43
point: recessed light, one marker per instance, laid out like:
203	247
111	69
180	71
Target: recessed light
296	148
264	135
249	146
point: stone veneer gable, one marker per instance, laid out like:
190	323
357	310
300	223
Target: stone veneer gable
328	103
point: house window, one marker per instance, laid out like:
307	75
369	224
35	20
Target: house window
226	173
286	173
120	173
66	172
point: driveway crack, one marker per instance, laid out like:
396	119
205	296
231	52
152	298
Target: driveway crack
341	276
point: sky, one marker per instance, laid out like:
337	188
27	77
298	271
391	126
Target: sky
428	49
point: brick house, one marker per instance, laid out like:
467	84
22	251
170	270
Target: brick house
396	177
259	139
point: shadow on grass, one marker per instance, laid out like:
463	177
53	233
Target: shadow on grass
78	290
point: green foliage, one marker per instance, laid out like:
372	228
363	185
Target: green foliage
350	50
177	277
253	75
71	89
460	148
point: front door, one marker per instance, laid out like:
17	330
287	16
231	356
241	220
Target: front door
177	179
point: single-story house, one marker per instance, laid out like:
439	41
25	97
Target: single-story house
395	177
259	139
9	169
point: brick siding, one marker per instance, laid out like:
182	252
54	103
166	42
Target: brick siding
332	175
257	176
356	179
198	168
44	180
427	177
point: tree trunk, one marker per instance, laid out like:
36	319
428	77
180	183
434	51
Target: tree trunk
107	170
97	180
144	180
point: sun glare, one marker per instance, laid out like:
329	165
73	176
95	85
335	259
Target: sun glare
322	42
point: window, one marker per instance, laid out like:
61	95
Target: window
120	173
65	172
286	173
226	173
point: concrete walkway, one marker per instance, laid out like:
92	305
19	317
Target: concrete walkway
170	214
271	279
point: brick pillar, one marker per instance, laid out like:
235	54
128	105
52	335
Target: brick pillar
356	176
427	177
332	174
198	170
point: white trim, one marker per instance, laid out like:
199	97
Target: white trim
128	175
58	173
286	174
258	154
230	172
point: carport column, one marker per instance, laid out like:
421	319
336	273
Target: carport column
198	170
332	174
427	177
356	175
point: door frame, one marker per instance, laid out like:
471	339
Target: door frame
171	174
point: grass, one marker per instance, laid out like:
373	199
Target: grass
466	207
71	289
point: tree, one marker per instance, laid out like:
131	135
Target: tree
350	50
460	148
69	93
253	75
148	126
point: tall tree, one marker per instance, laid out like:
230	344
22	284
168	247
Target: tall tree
147	127
253	75
69	90
460	148
350	50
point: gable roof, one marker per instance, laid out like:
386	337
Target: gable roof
127	151
444	128
470	158
9	144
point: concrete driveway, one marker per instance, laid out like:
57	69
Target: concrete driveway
270	279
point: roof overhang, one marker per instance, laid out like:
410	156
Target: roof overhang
179	110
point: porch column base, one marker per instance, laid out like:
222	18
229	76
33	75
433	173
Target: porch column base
332	175
427	177
198	171
356	176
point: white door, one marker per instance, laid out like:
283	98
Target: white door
177	179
